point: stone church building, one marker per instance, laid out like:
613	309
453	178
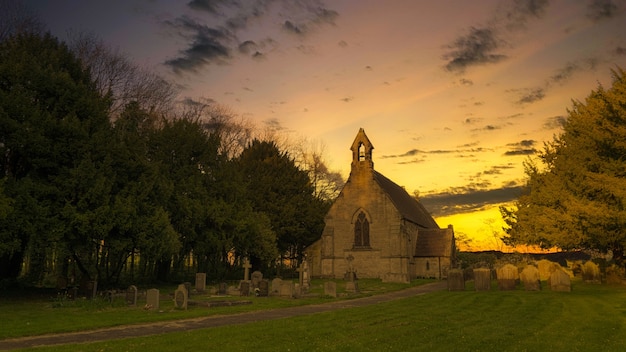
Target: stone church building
376	229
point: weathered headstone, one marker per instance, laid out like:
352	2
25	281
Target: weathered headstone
246	269
546	268
152	298
507	277
591	272
560	281
297	290
181	297
530	278
286	289
200	282
330	288
303	277
244	288
275	286
131	295
222	288
264	288
482	279
456	281
256	277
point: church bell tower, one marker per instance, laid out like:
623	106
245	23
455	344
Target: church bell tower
362	153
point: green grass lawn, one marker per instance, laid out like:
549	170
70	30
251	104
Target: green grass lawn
590	318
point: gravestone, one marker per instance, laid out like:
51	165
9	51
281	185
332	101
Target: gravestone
352	286
181	297
530	278
200	282
256	277
275	287
297	290
246	269
456	281
303	276
330	288
482	279
188	288
264	288
131	295
152	298
560	281
89	288
591	272
546	268
507	277
286	289
222	288
244	288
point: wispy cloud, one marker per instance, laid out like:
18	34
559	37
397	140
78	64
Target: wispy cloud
524	147
484	44
467	199
598	10
216	39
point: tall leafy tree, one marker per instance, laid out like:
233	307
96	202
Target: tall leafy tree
284	193
576	193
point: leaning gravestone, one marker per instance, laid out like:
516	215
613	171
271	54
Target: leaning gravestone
507	277
200	282
546	268
330	288
152	298
244	288
456	282
264	288
131	295
482	279
530	278
560	281
275	287
591	272
181	297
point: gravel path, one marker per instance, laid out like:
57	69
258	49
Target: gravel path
138	330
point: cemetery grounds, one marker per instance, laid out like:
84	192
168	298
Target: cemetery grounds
590	317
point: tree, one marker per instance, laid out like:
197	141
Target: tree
576	193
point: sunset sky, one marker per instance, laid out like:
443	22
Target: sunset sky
453	94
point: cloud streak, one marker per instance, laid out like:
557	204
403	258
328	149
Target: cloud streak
467	199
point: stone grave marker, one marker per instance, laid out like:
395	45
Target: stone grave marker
275	287
560	281
482	279
246	269
264	288
507	277
330	288
546	268
200	282
591	272
303	277
131	295
244	288
222	288
286	289
530	278
352	286
188	287
152	298
256	277
181	296
456	281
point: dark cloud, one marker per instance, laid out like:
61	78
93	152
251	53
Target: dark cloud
523	147
416	152
207	45
477	47
520	11
598	10
516	152
216	42
347	99
486	128
467	199
534	95
466	82
564	73
619	51
342	43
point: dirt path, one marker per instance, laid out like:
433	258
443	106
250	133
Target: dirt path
138	330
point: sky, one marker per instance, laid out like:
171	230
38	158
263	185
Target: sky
454	95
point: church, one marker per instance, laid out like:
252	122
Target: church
377	230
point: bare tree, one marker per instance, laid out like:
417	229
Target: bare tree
16	18
115	75
309	156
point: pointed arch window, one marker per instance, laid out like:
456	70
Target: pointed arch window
361	231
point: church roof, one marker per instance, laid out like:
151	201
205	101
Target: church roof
410	209
434	243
